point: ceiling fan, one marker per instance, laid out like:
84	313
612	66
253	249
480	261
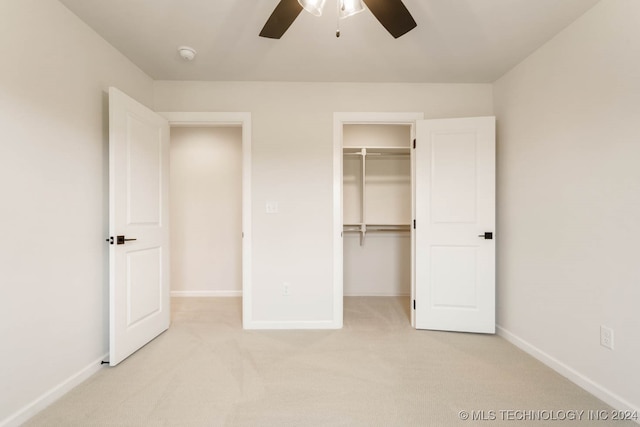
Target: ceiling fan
392	14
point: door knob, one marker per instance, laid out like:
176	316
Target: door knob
120	240
488	235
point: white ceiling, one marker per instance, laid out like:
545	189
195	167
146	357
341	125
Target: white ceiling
462	41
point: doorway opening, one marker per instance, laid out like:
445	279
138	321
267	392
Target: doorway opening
210	181
205	186
373	208
377	216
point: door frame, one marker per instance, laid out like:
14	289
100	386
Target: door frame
339	120
210	119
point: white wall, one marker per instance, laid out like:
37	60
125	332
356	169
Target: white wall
53	187
206	211
292	149
381	266
569	201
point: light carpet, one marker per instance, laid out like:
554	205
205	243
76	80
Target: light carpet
376	371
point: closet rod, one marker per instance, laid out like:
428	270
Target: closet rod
389	226
379	154
373	230
367	227
391	155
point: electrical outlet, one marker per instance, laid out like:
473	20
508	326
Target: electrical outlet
286	289
606	337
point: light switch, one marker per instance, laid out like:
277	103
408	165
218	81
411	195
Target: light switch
272	207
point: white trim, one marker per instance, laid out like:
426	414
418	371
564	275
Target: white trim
565	370
320	324
377	118
53	394
206	294
206	119
338	290
376	294
231	119
339	120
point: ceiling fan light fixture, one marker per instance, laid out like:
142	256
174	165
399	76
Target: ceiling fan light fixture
393	15
347	8
314	7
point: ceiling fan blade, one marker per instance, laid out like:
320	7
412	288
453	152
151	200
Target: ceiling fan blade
393	15
281	19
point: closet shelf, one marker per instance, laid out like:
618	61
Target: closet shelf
376	151
363	229
364	154
359	224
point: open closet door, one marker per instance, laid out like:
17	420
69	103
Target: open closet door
138	225
455	221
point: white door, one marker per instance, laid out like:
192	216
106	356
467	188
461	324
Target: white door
138	225
455	222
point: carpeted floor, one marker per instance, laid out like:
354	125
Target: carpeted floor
376	371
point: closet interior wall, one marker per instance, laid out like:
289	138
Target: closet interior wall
377	209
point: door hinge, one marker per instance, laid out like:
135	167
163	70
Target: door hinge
414	304
414	143
414	224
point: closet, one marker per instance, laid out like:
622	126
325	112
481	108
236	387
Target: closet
417	216
377	209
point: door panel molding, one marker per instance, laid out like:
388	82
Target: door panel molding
455	208
139	303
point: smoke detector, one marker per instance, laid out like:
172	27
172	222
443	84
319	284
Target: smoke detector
187	53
